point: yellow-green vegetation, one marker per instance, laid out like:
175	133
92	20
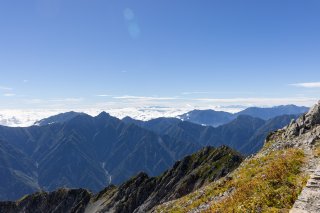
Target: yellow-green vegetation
265	183
317	150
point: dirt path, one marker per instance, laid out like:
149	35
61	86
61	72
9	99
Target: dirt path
309	199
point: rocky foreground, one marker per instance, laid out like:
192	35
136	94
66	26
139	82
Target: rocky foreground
283	177
305	133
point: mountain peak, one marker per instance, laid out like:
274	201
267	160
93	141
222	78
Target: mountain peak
59	118
103	114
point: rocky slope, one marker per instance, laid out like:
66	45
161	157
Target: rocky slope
282	177
139	194
63	200
305	133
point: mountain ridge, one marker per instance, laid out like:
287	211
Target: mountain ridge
139	194
217	118
111	150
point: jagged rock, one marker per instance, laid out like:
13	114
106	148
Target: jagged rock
63	200
305	130
313	116
305	122
293	129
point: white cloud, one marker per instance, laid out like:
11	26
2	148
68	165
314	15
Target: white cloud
194	93
139	107
33	101
50	102
26	117
145	98
9	94
103	95
261	101
5	88
307	85
218	92
66	100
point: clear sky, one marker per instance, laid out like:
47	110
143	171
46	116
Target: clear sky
87	53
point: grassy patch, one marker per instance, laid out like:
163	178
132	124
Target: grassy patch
264	183
317	150
270	183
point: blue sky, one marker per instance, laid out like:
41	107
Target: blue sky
86	53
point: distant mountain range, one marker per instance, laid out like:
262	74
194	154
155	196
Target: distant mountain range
80	151
245	134
217	118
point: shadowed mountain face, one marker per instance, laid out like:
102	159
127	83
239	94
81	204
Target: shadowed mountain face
269	113
244	134
139	194
88	152
16	172
93	152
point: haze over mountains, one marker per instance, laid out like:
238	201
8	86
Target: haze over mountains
25	118
80	151
217	118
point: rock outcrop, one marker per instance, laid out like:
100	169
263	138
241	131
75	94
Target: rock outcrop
63	200
305	133
306	129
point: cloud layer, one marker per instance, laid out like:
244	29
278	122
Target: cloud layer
307	85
